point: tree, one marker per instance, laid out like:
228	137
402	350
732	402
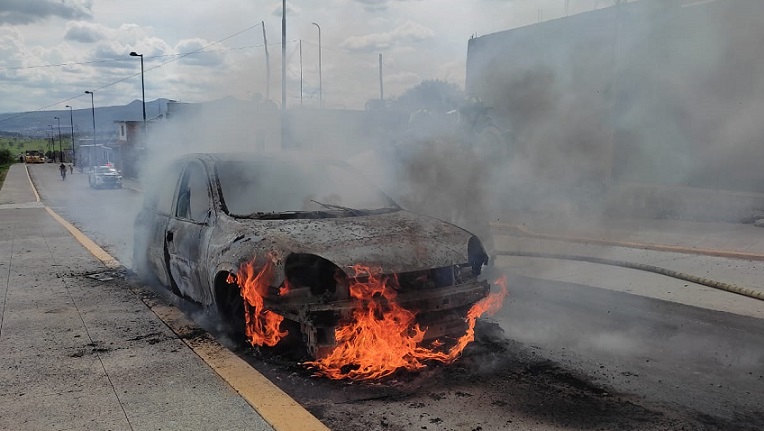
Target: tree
433	95
6	157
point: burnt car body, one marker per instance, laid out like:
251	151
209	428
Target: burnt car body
210	213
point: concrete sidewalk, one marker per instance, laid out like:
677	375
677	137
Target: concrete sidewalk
77	353
726	252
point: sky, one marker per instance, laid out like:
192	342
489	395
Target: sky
51	51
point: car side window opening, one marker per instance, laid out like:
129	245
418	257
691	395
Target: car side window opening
193	199
159	198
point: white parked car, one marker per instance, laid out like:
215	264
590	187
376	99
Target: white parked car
104	176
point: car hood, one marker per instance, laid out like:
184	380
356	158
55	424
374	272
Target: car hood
397	242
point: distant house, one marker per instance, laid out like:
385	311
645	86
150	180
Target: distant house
130	145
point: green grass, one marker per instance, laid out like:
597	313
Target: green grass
19	145
3	173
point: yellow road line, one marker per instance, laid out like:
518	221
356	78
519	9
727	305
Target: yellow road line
34	189
276	407
86	242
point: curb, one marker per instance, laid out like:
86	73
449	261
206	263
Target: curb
276	408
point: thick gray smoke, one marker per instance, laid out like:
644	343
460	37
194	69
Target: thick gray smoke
624	109
644	110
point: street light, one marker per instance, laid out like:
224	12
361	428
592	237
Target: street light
52	144
60	145
71	122
143	94
320	80
92	110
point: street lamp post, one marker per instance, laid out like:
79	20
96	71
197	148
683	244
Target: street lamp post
143	94
320	80
60	145
92	110
71	122
52	143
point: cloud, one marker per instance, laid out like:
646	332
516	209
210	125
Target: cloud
290	8
116	42
84	32
377	5
19	12
203	58
409	32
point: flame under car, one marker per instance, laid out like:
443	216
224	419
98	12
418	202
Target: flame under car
303	227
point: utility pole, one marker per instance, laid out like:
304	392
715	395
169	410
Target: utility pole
283	57
71	123
60	145
267	66
300	72
381	87
283	74
320	78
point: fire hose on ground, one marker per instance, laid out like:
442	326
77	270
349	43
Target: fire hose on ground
643	267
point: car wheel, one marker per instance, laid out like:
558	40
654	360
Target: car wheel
230	307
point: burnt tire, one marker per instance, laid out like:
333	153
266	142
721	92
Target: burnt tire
230	307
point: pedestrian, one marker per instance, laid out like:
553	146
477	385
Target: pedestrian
71	169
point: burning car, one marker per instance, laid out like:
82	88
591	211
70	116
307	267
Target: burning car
281	247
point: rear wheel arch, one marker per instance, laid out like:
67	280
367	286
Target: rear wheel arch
229	303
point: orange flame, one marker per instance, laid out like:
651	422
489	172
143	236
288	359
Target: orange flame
262	326
382	337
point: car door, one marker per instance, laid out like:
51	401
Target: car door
151	222
187	231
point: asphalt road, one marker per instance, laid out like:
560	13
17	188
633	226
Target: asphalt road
557	356
106	215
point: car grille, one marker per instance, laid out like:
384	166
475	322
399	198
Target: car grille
427	279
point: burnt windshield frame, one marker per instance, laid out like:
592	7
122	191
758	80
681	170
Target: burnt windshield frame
387	204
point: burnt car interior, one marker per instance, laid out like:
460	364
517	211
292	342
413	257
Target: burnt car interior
277	190
193	200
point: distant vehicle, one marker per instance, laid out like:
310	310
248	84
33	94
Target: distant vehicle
104	176
210	214
89	155
34	156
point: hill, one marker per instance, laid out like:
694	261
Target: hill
37	124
